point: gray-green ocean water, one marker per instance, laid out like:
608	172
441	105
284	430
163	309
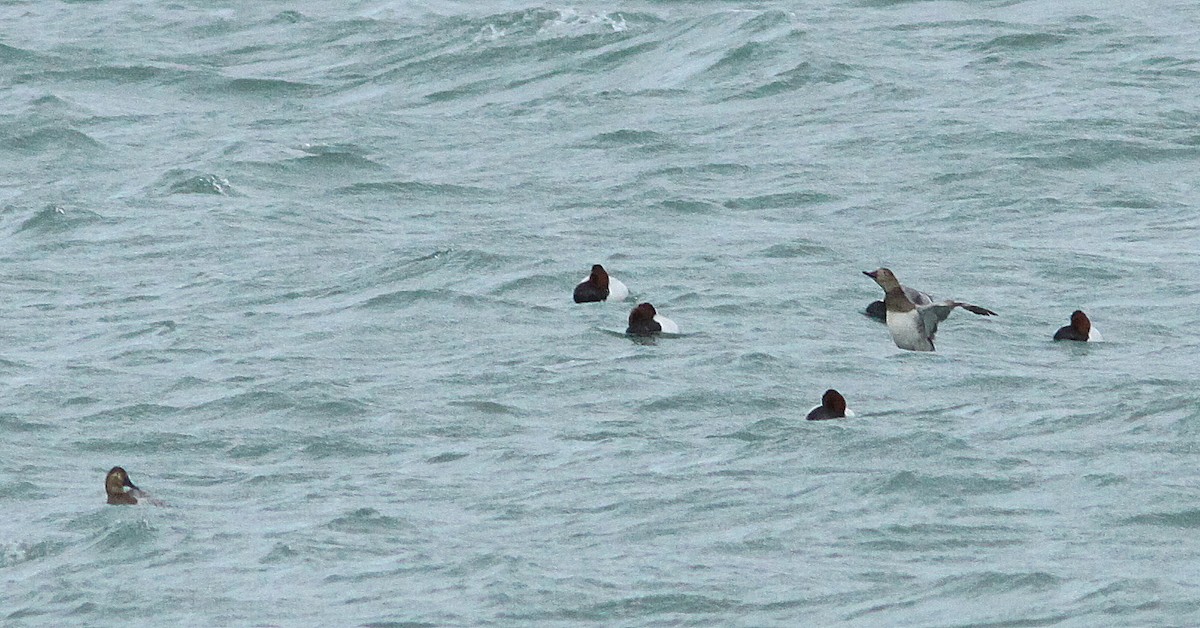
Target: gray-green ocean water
304	269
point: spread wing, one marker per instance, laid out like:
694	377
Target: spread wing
922	299
931	315
934	313
975	309
943	309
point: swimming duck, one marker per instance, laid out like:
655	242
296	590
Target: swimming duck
645	320
1080	329
833	406
115	484
913	325
600	286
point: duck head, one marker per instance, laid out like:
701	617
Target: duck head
834	402
1080	323
599	278
115	484
884	278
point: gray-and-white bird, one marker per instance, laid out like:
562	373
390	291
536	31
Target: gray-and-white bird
913	325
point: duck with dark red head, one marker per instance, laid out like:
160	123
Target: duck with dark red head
1080	329
600	286
833	406
644	320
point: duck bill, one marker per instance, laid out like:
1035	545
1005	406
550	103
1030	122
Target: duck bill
872	274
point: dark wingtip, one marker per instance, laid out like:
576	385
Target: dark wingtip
982	311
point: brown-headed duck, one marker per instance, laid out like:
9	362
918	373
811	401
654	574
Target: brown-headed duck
115	484
833	406
912	325
600	286
1080	329
645	320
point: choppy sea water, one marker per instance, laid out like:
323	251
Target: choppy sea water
304	269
